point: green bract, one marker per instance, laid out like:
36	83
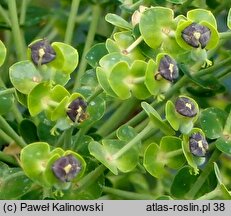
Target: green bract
168	155
156	26
37	160
2	53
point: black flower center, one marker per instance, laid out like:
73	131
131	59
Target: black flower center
185	107
66	168
77	110
198	144
168	68
196	35
42	52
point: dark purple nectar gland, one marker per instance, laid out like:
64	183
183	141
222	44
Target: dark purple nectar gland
168	68
186	107
77	110
198	145
42	52
66	168
196	35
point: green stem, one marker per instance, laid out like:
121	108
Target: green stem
7	91
67	138
18	39
17	114
5	15
223	73
134	141
5	137
23	12
117	117
71	21
127	194
8	159
174	153
204	175
96	13
225	35
133	45
47	28
90	177
10	132
98	91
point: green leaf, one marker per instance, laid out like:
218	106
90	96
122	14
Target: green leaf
224	144
155	23
229	19
184	180
95	54
6	101
67	57
156	119
14	184
24	76
28	131
95	109
2	53
212	121
117	21
153	162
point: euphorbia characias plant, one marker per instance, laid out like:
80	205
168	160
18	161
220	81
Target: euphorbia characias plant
143	111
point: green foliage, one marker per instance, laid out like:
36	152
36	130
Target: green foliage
115	99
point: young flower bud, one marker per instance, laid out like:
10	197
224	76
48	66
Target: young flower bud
77	110
168	68
196	35
198	145
66	168
42	52
186	107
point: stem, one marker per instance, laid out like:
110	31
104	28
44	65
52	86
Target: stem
67	138
133	45
96	13
5	137
10	132
117	117
225	35
7	91
203	176
71	21
134	141
174	153
47	28
18	39
98	90
8	159
23	12
127	194
17	114
90	177
5	15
